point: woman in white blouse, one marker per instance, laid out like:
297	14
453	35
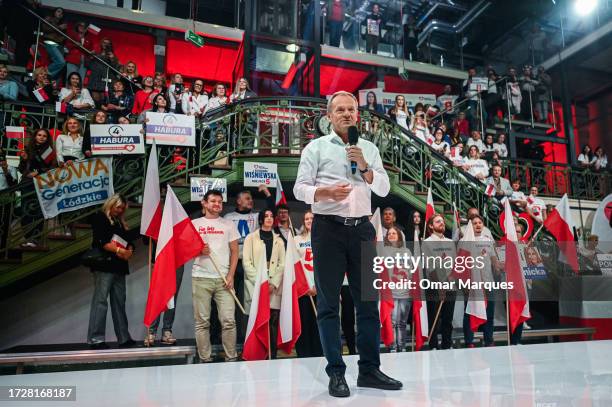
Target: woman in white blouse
75	95
600	159
195	102
69	144
500	146
218	98
585	159
419	128
438	143
475	165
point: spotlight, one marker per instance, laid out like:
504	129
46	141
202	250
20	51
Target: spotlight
292	48
585	7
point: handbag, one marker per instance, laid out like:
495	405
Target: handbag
96	258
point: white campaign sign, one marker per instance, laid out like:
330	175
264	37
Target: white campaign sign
387	99
256	174
199	187
75	186
170	129
107	139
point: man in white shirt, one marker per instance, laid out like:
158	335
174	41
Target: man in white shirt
472	212
219	256
536	207
341	202
438	247
476	140
284	227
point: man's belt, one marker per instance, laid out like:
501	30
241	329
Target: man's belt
345	221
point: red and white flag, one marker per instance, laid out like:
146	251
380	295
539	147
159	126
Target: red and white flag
490	190
419	306
430	209
477	302
40	95
93	29
456	224
561	225
386	298
518	303
178	242
290	324
280	194
48	155
15	132
119	242
460	270
151	218
257	338
61	107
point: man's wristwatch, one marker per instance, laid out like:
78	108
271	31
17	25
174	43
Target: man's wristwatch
367	168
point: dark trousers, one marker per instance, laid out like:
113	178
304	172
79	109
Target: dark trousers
308	344
444	325
31	215
410	47
336	251
347	318
169	314
274	316
335	33
487	327
241	319
372	43
515	337
105	285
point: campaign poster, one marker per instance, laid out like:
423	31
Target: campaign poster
200	186
114	139
170	129
256	174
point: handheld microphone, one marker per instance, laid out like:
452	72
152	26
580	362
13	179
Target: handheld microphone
353	137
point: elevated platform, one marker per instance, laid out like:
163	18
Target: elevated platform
563	374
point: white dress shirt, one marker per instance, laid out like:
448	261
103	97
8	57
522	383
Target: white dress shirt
84	97
66	146
324	163
194	104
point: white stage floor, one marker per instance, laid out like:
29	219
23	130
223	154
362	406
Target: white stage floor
562	374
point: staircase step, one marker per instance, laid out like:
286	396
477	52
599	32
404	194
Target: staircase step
413	183
391	168
37	249
81	226
59	236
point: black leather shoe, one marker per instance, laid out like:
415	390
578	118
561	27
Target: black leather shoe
98	346
337	386
130	343
377	380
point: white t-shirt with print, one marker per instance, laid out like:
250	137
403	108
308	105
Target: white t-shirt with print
304	246
216	233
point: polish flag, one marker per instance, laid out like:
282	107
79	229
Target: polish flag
477	301
561	225
151	218
119	241
280	194
15	132
93	29
419	306
40	95
257	338
490	190
178	242
463	250
61	107
290	324
48	155
518	303
386	299
430	210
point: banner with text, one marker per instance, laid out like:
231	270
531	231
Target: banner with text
170	129
107	139
200	186
256	174
78	185
387	99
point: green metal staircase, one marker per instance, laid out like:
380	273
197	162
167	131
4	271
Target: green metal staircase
263	130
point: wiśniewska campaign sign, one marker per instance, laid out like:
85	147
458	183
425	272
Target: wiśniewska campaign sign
256	174
113	139
78	185
200	186
170	129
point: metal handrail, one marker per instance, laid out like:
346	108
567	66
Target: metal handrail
76	43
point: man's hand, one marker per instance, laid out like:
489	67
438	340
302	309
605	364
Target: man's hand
354	153
206	250
264	189
337	192
229	282
312	292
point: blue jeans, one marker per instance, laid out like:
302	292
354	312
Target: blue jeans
57	60
335	33
105	285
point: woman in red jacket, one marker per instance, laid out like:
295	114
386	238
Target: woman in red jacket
143	100
75	58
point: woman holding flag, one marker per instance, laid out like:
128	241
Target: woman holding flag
38	158
309	344
261	244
